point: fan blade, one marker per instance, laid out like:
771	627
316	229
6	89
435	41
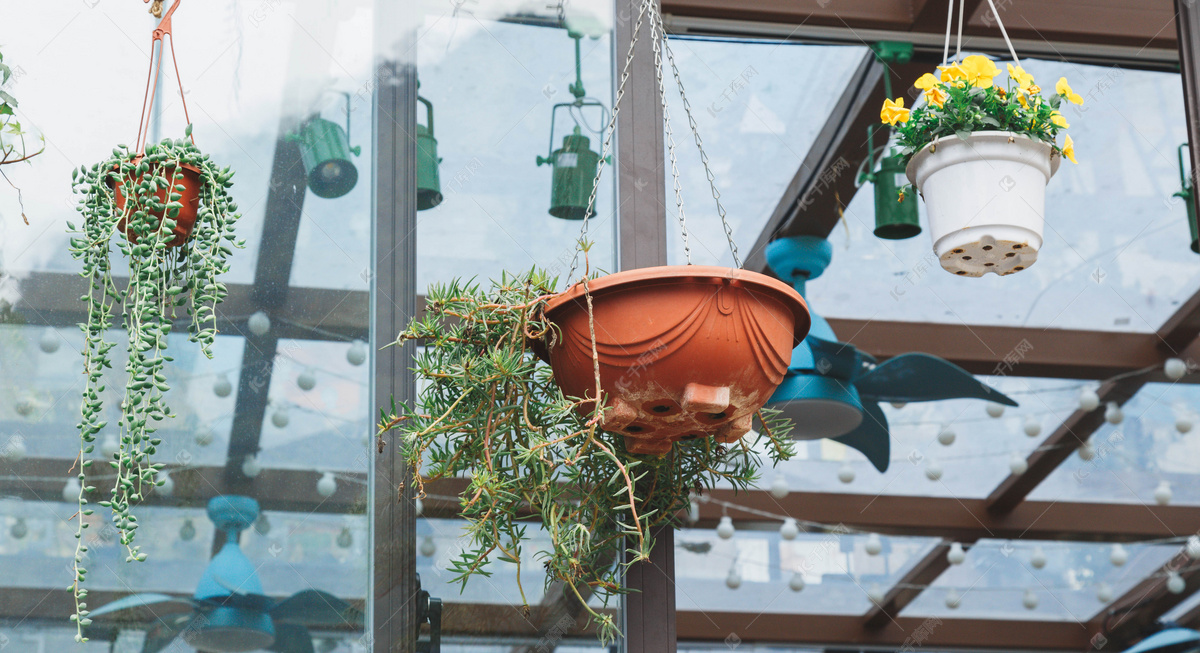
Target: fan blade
316	608
871	437
291	638
138	601
166	630
921	377
830	358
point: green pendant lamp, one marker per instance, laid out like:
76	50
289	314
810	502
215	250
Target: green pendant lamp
429	187
1188	192
896	216
325	151
574	164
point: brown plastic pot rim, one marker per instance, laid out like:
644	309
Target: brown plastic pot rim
669	274
136	159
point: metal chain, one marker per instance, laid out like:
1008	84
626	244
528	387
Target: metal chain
656	17
612	125
656	34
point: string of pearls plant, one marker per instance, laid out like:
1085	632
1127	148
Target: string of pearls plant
132	200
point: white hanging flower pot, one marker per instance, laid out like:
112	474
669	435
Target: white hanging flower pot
985	197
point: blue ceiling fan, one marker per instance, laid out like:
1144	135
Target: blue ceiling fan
229	612
1170	639
832	390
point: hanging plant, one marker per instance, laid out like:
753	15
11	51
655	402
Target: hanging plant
595	411
166	208
13	148
980	154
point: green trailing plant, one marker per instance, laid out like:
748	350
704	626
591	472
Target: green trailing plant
165	284
488	409
965	98
13	148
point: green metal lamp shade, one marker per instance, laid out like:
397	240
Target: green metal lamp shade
429	187
325	151
574	173
895	219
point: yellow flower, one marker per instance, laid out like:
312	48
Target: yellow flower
1064	89
1034	90
926	82
980	70
1023	101
1058	119
936	96
1023	79
952	73
1068	149
894	111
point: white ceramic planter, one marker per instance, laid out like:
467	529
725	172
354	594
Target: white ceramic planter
985	198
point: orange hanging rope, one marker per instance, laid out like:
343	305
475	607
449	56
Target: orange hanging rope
163	29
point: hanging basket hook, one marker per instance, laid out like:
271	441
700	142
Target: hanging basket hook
163	29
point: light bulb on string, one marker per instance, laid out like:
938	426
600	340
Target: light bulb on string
250	466
693	509
187	532
70	491
1162	493
796	582
933	470
25	406
204	436
733	579
1193	547
345	539
994	409
14	450
875	593
956	555
1032	426
1037	559
1030	600
1175	583
307	380
428	546
953	600
1113	413
1118	556
164	486
1183	424
1017	464
1087	451
846	473
262	525
899	404
280	417
259	323
222	387
327	485
19	529
49	341
1104	593
946	436
110	446
779	487
874	545
1088	400
418	506
725	528
789	530
357	353
1174	368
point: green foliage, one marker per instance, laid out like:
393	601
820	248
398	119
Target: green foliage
490	410
12	135
162	280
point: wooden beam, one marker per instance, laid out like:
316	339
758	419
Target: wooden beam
930	15
1059	446
1130	617
923	573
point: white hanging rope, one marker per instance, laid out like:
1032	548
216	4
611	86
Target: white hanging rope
961	10
958	49
949	24
1004	33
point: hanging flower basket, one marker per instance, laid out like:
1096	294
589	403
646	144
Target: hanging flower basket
985	197
684	351
187	187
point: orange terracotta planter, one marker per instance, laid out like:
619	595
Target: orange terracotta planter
186	220
685	351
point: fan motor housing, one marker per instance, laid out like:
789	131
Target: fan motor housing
227	629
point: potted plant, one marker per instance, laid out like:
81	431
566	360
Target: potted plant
167	209
536	443
980	155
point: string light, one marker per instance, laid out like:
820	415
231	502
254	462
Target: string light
345	539
307	380
419	507
1087	450
428	546
70	491
1030	600
1088	400
326	485
874	545
875	593
164	485
357	353
222	387
1017	464
187	532
796	582
1183	424
14	450
994	409
204	437
1113	413
1175	583
956	555
733	579
49	341
25	406
1032	426
1162	493
1174	368
933	470
110	447
1037	559
789	530
1118	556
899	404
946	436
1104	593
953	600
725	528
1193	547
250	466
280	417
693	514
779	487
259	323
262	525
19	529
846	473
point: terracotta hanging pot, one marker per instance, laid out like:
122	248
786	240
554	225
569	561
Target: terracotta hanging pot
684	351
190	199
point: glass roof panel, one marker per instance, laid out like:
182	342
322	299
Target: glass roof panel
837	571
993	581
758	115
1116	251
974	463
1134	457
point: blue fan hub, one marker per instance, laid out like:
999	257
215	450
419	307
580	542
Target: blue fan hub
819	406
229	629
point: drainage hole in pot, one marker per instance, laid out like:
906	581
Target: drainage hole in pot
1018	246
660	409
961	272
720	415
690	436
988	265
987	248
958	251
1010	255
1018	268
966	258
634	429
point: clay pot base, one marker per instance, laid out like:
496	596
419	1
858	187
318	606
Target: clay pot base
977	258
186	220
685	351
